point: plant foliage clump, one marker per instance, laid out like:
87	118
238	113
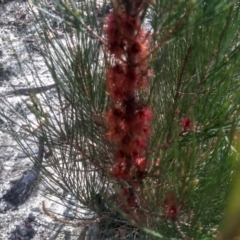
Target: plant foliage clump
142	127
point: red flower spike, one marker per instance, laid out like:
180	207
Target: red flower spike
172	212
120	154
146	131
134	147
121	171
112	33
115	133
128	120
113	115
141	129
129	26
115	77
117	94
145	114
138	48
140	143
119	29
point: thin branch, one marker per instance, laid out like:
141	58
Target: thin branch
73	223
27	91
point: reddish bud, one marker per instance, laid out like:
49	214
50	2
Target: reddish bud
172	211
186	124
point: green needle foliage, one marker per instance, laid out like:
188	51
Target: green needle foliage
194	94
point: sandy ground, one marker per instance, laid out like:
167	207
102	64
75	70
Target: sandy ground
16	40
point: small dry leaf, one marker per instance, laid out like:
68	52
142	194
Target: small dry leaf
99	120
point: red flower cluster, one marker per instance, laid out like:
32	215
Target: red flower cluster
186	125
172	210
128	120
